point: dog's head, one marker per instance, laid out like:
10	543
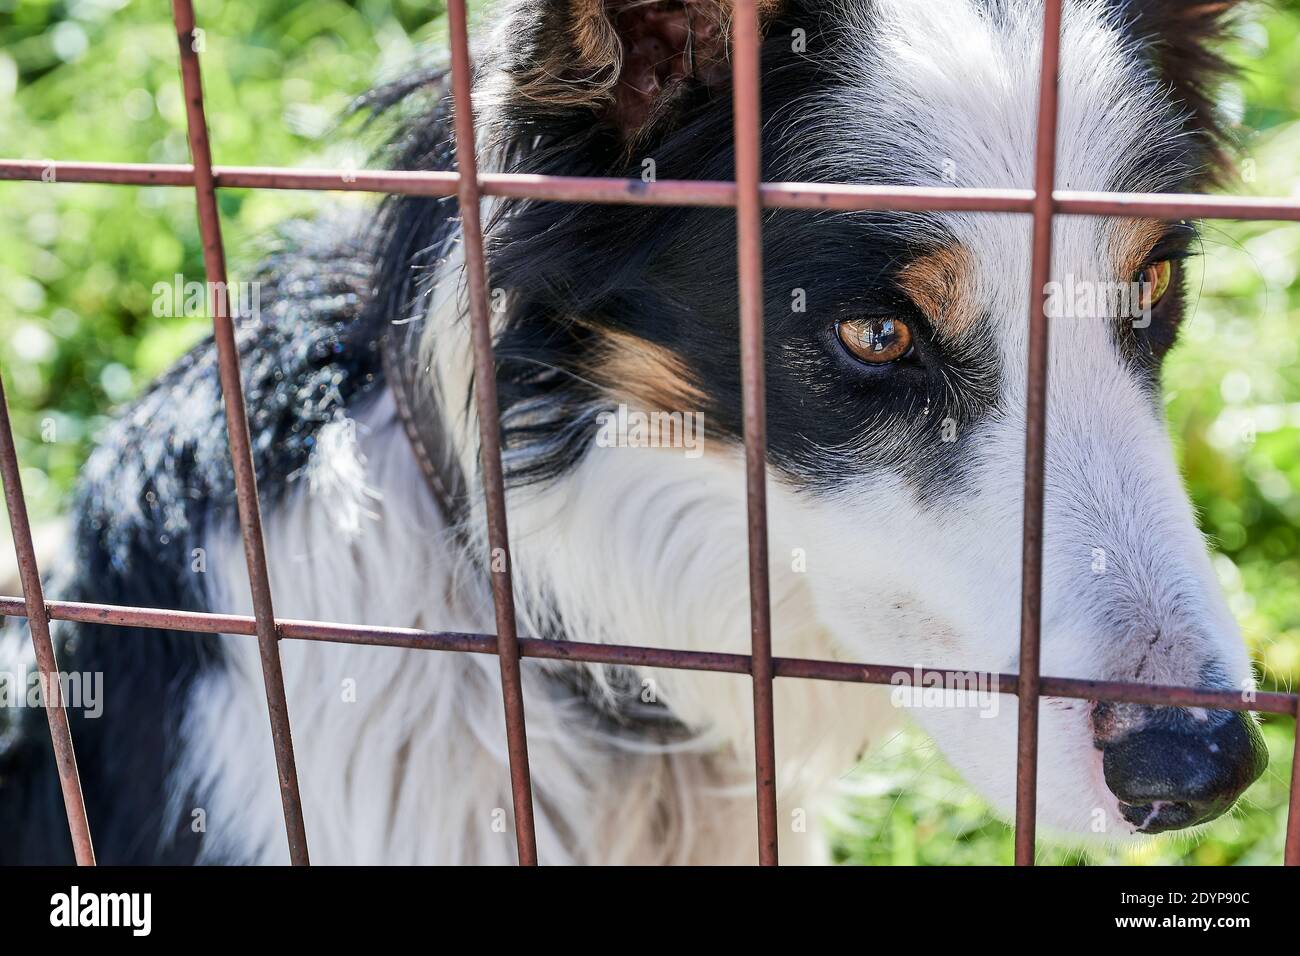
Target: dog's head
897	343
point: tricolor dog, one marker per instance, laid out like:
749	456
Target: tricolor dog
896	381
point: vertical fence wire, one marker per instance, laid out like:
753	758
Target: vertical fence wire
489	423
749	263
1291	850
232	389
1031	580
38	622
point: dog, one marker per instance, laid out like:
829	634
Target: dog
896	387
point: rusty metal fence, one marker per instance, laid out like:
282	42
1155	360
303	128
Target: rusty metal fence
749	196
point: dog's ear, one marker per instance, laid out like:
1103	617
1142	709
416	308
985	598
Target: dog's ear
1184	38
629	61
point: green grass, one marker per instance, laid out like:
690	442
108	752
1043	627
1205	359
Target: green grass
97	80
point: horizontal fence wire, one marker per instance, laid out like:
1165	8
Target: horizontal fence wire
834	197
749	196
201	622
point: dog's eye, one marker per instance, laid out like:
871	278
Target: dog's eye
1153	282
877	341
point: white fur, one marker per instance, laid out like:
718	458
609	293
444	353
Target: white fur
415	770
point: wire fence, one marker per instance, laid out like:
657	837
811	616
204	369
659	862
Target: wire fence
749	196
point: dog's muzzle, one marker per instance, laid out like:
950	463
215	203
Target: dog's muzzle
1173	768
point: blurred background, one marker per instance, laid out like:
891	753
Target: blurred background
98	80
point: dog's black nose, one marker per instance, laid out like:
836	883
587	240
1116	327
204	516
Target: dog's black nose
1173	768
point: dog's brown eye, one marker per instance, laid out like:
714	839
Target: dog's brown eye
878	341
1153	282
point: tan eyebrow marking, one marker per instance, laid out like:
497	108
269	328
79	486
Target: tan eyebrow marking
1132	242
942	284
650	375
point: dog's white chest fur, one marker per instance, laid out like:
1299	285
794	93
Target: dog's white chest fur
401	754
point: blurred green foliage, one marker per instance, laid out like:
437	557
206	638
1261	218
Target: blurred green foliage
98	80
